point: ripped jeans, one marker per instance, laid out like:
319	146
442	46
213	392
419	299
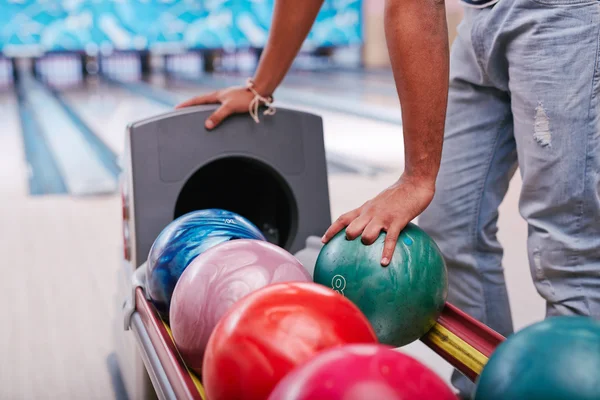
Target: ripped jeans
524	91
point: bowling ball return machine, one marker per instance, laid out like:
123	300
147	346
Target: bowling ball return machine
275	175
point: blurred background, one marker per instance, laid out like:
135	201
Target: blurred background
74	73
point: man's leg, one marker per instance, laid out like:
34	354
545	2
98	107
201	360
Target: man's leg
478	160
555	86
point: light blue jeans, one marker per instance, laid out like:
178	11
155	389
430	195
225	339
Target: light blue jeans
524	91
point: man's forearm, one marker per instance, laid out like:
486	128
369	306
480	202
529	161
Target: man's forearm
417	39
292	20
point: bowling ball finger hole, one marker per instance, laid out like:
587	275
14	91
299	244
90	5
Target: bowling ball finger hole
245	186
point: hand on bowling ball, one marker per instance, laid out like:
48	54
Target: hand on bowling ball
389	211
233	100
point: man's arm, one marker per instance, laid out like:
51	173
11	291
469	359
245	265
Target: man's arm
417	39
292	20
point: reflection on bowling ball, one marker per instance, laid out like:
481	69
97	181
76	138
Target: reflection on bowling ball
403	300
182	241
218	278
271	331
360	372
556	359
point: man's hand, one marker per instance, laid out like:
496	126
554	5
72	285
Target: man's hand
389	211
233	100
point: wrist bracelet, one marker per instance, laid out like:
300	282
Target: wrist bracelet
257	100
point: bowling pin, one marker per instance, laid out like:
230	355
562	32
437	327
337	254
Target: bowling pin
131	67
71	69
62	65
134	69
55	71
58	71
65	70
49	68
43	66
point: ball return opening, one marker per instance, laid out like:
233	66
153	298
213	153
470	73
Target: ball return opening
246	186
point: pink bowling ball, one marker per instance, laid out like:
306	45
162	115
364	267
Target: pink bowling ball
217	279
359	372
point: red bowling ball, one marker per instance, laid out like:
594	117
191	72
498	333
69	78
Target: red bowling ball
218	278
360	372
268	333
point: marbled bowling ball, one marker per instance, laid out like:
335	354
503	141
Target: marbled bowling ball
361	372
402	300
182	241
217	279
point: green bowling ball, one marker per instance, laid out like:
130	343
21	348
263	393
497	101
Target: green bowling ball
403	300
556	359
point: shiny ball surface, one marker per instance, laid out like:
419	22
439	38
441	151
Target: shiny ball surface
359	372
183	240
273	330
402	300
217	279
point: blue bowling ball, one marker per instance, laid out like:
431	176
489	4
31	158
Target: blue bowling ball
183	240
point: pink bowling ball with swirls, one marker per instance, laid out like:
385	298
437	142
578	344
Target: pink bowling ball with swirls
217	279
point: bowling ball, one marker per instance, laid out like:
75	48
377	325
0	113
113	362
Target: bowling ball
271	331
403	300
556	359
183	240
359	372
218	278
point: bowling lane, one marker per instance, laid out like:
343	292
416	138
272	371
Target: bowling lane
348	88
107	110
346	82
58	271
14	170
83	172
